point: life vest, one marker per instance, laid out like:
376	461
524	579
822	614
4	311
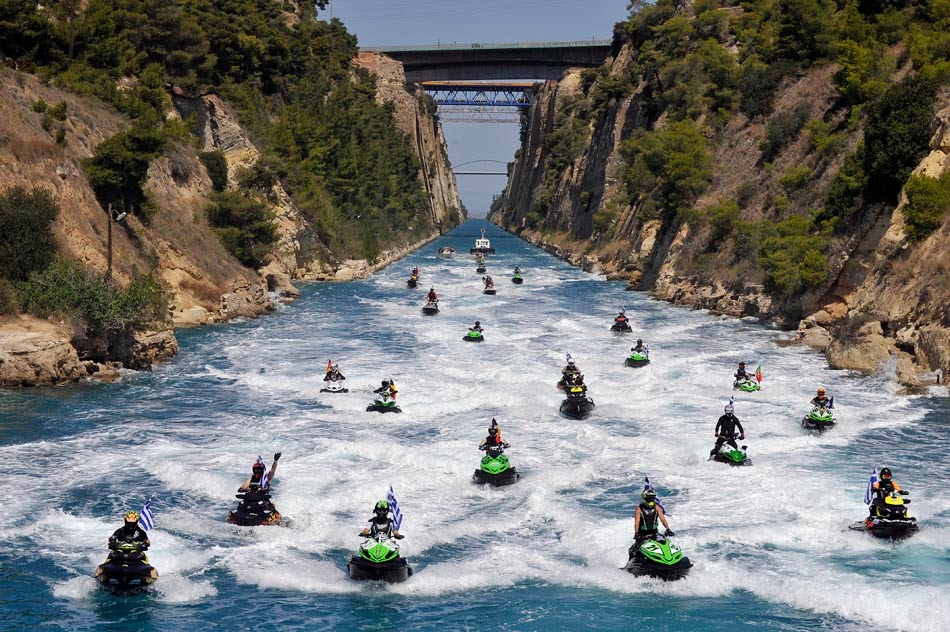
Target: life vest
649	518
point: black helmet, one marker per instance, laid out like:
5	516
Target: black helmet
477	323
385	383
885	471
639	341
493	430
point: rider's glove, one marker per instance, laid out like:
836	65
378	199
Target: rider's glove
277	456
669	532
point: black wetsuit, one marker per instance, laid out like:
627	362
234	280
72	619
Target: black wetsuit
821	402
726	429
649	526
380	525
742	374
333	376
125	535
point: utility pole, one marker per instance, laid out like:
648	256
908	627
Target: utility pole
109	222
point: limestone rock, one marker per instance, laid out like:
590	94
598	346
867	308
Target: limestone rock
815	337
343	274
150	347
34	352
858	353
104	372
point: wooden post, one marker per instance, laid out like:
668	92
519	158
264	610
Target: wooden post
109	221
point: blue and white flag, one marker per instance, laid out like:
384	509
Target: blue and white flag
146	520
265	478
394	508
869	493
646	486
569	358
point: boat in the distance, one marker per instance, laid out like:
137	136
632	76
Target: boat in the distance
482	245
446	252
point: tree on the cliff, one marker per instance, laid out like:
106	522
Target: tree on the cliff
119	166
244	225
27	242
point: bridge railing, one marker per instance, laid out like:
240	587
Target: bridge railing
477	46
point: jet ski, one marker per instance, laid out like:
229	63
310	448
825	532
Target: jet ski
577	405
334	386
495	468
820	419
446	252
658	557
378	559
889	518
489	290
413	281
481	269
473	335
126	570
517	279
431	308
384	404
747	385
732	456
255	509
621	327
638	359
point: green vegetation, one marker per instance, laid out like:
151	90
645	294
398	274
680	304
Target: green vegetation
793	257
8	299
27	243
244	225
217	168
101	308
782	129
119	166
928	202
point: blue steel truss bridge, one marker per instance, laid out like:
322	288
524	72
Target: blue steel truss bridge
481	102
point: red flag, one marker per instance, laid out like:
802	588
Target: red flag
329	365
758	374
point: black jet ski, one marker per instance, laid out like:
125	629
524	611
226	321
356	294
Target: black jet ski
481	269
889	518
126	570
577	405
489	290
413	281
255	509
431	308
378	559
658	557
621	327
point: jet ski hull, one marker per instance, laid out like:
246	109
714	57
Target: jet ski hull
636	363
577	407
380	408
818	424
334	389
728	461
481	269
254	518
489	291
889	529
517	280
648	568
747	387
621	328
473	338
430	311
508	477
126	579
395	571
412	283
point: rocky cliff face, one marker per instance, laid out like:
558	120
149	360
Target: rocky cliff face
886	299
206	284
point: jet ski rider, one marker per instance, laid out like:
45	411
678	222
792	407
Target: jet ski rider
726	430
820	400
333	374
257	474
477	327
388	388
432	297
621	318
639	348
645	520
493	439
130	532
381	522
741	373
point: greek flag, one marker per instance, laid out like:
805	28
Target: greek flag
394	508
646	486
569	358
732	401
265	482
869	493
145	516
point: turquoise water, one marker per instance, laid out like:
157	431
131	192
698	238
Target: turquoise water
770	542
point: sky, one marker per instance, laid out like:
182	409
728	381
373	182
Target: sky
410	22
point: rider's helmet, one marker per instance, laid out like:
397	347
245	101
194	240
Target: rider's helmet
334	367
131	518
257	470
821	391
730	409
741	364
432	289
493	430
385	383
648	496
639	341
381	508
885	473
570	362
478	323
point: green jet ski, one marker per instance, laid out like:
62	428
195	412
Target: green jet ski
473	335
658	557
495	468
378	559
747	385
638	359
820	419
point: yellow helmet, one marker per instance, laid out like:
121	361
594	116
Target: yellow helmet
131	516
821	391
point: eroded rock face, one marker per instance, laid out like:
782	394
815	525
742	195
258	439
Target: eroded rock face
864	350
34	352
151	347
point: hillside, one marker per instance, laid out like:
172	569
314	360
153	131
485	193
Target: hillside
752	159
246	152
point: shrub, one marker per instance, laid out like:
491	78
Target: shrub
262	175
65	288
27	242
896	136
244	225
845	189
757	85
795	178
722	217
745	192
8	300
217	167
822	140
782	129
928	201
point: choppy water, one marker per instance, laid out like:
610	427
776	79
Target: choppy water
769	542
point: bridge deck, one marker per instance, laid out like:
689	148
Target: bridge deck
499	46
